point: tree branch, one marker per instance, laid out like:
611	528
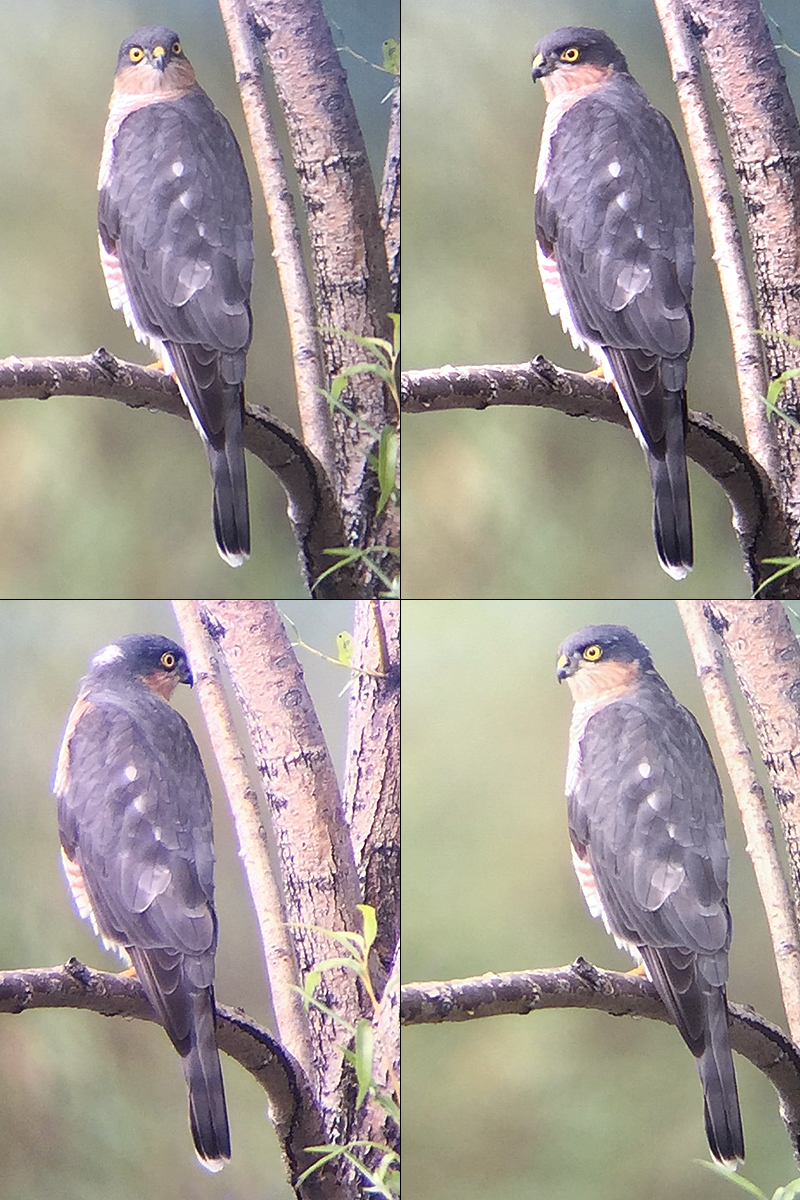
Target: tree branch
298	301
765	656
318	873
371	798
582	985
390	199
740	305
291	1018
313	512
755	629
541	384
291	1105
764	134
351	272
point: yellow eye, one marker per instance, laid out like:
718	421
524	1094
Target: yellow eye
168	660
570	55
593	653
136	54
176	48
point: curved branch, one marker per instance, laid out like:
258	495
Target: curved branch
582	985
292	1109
313	512
540	384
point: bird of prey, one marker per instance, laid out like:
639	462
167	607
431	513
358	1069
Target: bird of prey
176	245
648	841
615	246
134	816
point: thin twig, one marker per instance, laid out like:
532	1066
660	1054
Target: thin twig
281	963
298	300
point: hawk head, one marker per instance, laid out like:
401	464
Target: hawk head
602	660
152	60
574	57
145	658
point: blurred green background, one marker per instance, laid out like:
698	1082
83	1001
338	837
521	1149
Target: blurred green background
97	499
557	1105
92	1108
520	502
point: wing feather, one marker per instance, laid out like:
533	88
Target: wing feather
645	810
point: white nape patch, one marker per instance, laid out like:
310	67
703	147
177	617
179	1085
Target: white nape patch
622	200
157	832
108	655
178	169
614	169
645	770
201	229
130	772
639	229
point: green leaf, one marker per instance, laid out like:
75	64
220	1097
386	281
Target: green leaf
344	647
732	1178
363	1059
387	464
370	919
391	56
311	982
388	1105
787	565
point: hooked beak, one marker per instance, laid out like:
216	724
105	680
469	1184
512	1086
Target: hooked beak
540	67
564	668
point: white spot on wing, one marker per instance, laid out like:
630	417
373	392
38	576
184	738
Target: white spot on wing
639	231
645	770
130	772
622	200
177	169
614	169
140	804
108	655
